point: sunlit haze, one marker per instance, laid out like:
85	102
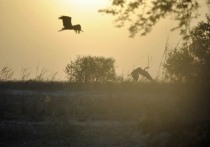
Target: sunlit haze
29	37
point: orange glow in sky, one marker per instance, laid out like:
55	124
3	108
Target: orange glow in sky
29	37
88	4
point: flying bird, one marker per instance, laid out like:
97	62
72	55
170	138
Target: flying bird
68	25
135	74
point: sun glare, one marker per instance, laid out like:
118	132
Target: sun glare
89	4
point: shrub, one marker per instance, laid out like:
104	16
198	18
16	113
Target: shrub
91	69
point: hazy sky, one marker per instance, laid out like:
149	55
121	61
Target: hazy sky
29	36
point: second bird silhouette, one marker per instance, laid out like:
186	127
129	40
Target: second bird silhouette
68	25
135	74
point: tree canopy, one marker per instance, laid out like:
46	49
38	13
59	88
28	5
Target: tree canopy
191	63
148	13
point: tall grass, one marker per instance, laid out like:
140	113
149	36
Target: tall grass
6	73
147	97
154	107
25	73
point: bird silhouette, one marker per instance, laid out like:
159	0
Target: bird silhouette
135	74
68	25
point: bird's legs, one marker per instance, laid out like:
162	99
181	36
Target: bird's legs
61	29
77	31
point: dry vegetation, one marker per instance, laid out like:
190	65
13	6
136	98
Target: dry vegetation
49	113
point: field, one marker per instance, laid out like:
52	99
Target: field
107	115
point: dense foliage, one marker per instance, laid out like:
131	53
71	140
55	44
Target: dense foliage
192	63
91	69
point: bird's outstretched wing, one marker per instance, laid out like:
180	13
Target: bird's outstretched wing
141	72
144	73
66	21
135	76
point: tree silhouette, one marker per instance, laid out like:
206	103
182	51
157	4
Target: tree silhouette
148	13
193	63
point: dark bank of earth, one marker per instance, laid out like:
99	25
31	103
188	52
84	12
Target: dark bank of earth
181	135
95	133
100	119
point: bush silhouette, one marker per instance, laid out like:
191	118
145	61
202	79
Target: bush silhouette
91	69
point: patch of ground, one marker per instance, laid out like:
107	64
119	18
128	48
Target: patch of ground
94	120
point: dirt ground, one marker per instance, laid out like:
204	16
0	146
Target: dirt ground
75	133
51	121
97	133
